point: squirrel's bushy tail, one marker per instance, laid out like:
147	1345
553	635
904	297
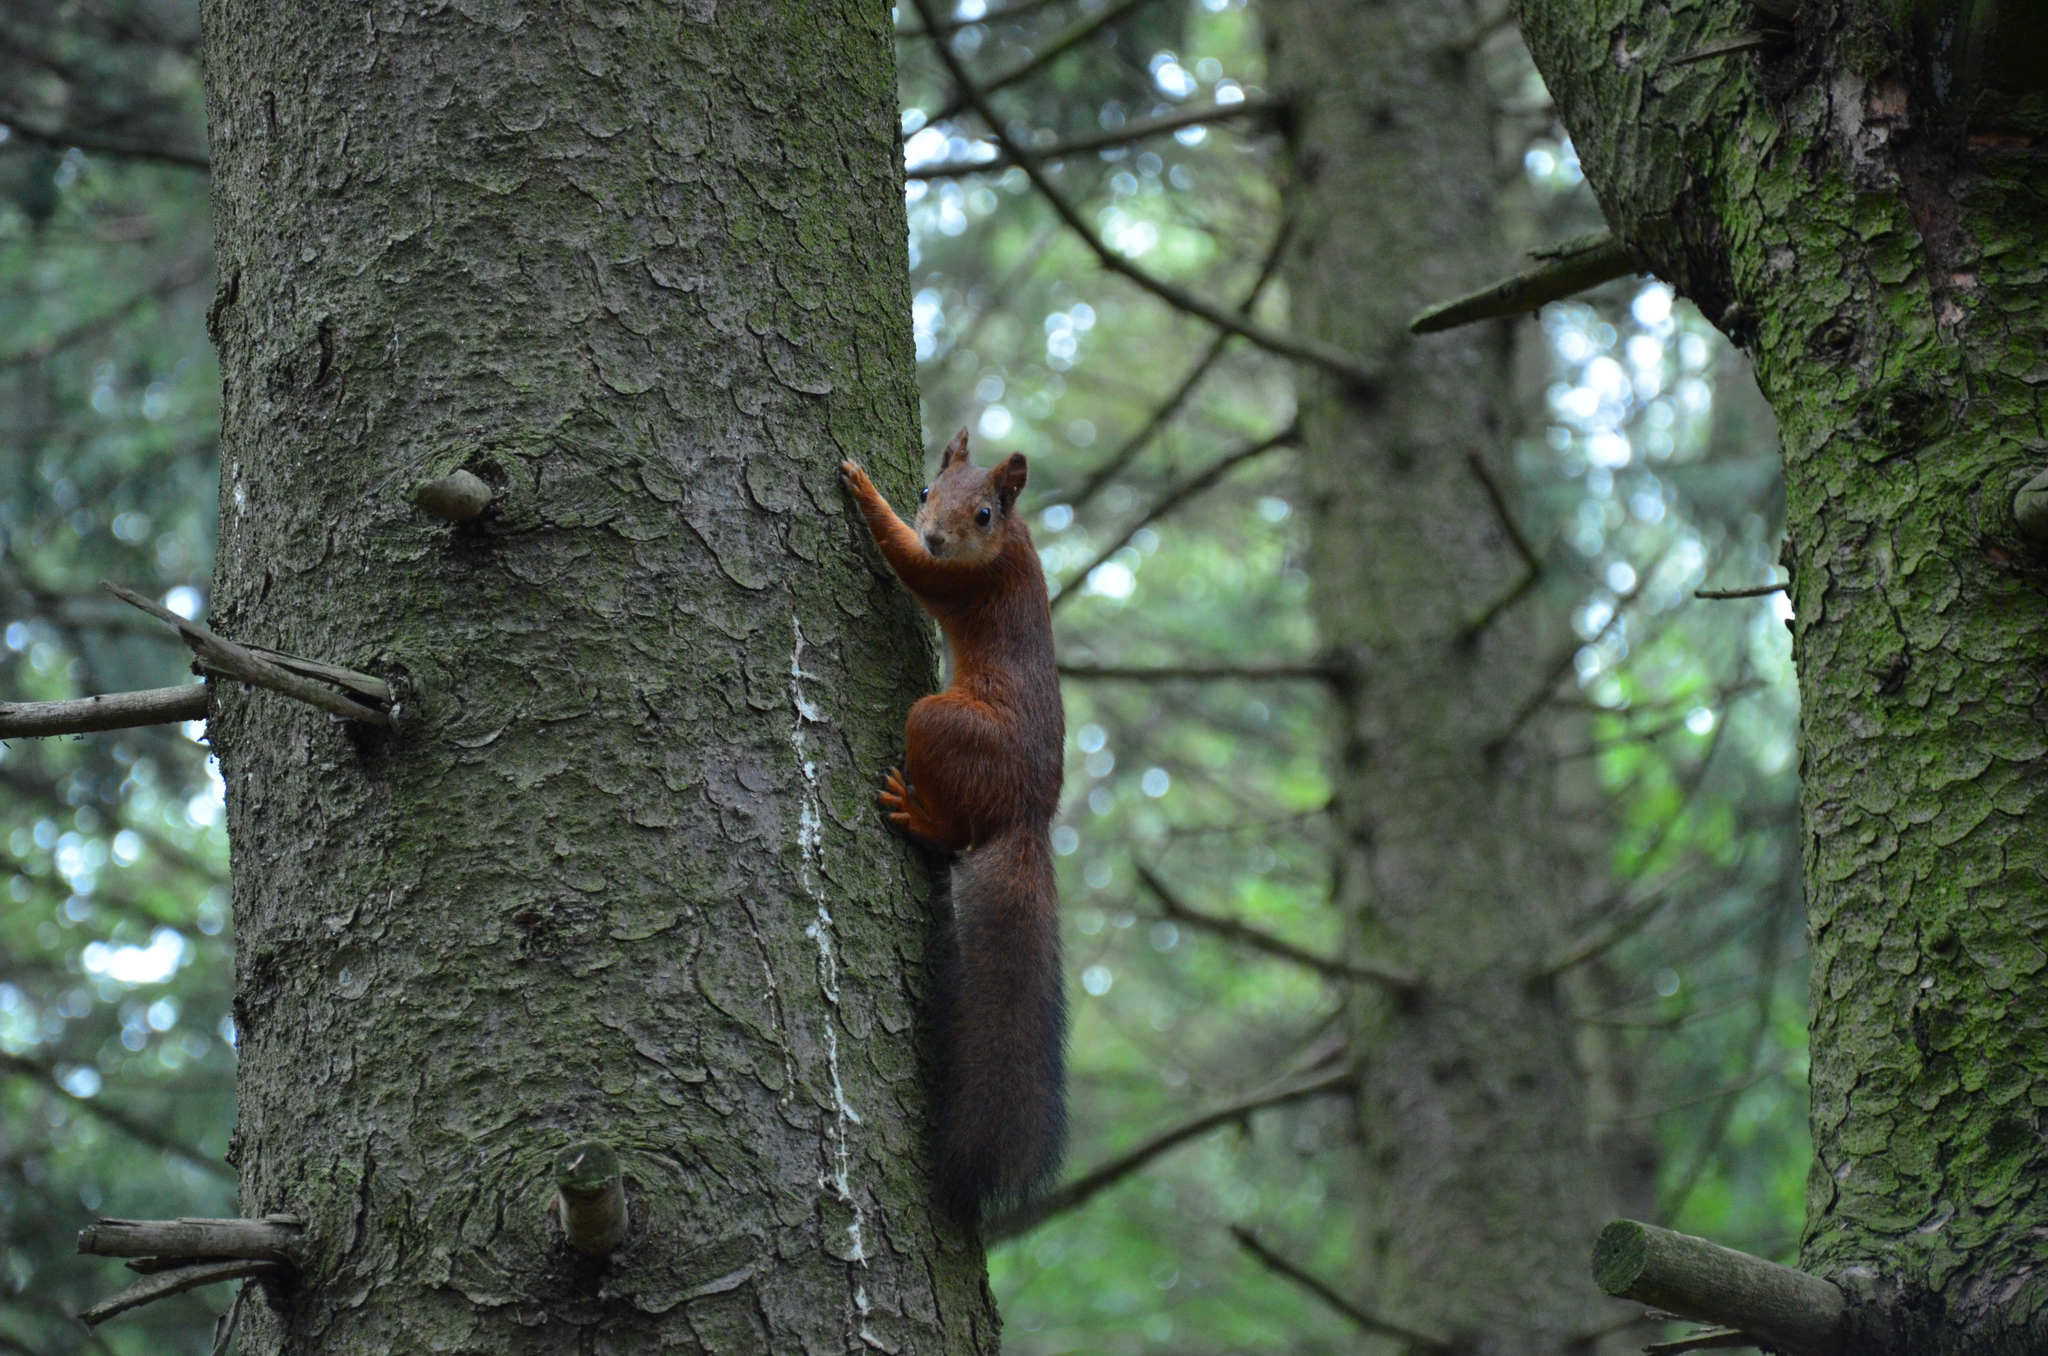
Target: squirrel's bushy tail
1002	1026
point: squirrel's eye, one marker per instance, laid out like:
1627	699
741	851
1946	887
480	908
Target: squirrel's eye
982	516
924	494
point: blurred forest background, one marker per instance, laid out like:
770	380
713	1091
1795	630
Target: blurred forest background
1196	855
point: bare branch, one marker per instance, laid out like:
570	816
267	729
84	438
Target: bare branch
1072	1195
1763	1074
994	16
1370	1322
92	143
1117	136
1499	21
458	497
164	1284
2030	508
184	275
1618	924
1723	1115
1709	1339
1718	702
273	1238
1619	921
1304	350
1731	45
133	24
135	1127
224	1326
1502	513
1474	629
280	673
1533	566
1075	35
1754	591
32	1300
1562	662
1259	940
1688	791
1137	442
111	711
1683	1017
1791	1310
1567	268
1179	495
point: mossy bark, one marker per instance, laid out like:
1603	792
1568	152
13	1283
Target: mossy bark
1863	203
617	874
1479	1186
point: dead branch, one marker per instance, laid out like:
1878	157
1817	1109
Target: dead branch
1072	1195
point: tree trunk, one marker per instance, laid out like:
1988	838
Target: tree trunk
617	872
1859	201
1482	1187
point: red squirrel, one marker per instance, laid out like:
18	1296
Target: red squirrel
981	779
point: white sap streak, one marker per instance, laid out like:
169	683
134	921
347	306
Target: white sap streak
810	876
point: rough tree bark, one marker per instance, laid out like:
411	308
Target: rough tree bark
1480	1183
617	873
1857	194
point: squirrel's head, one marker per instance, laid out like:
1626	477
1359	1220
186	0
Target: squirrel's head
968	512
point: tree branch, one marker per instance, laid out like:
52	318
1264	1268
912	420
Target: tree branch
1711	1339
112	711
1304	350
273	1238
281	673
182	276
1078	1192
42	1304
1137	442
1533	566
1616	925
1567	268
1723	1116
177	1280
1801	1314
1557	667
1753	591
1617	921
1116	136
134	1127
590	1198
1259	940
1370	1322
1717	702
1720	1094
994	16
64	139
1174	499
1073	37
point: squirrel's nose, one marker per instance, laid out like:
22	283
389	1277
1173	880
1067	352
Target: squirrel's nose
935	542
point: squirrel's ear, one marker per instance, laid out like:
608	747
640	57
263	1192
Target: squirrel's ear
1009	478
956	451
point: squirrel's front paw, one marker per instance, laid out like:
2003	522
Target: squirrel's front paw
853	478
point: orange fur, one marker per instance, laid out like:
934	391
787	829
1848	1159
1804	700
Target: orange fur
981	779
